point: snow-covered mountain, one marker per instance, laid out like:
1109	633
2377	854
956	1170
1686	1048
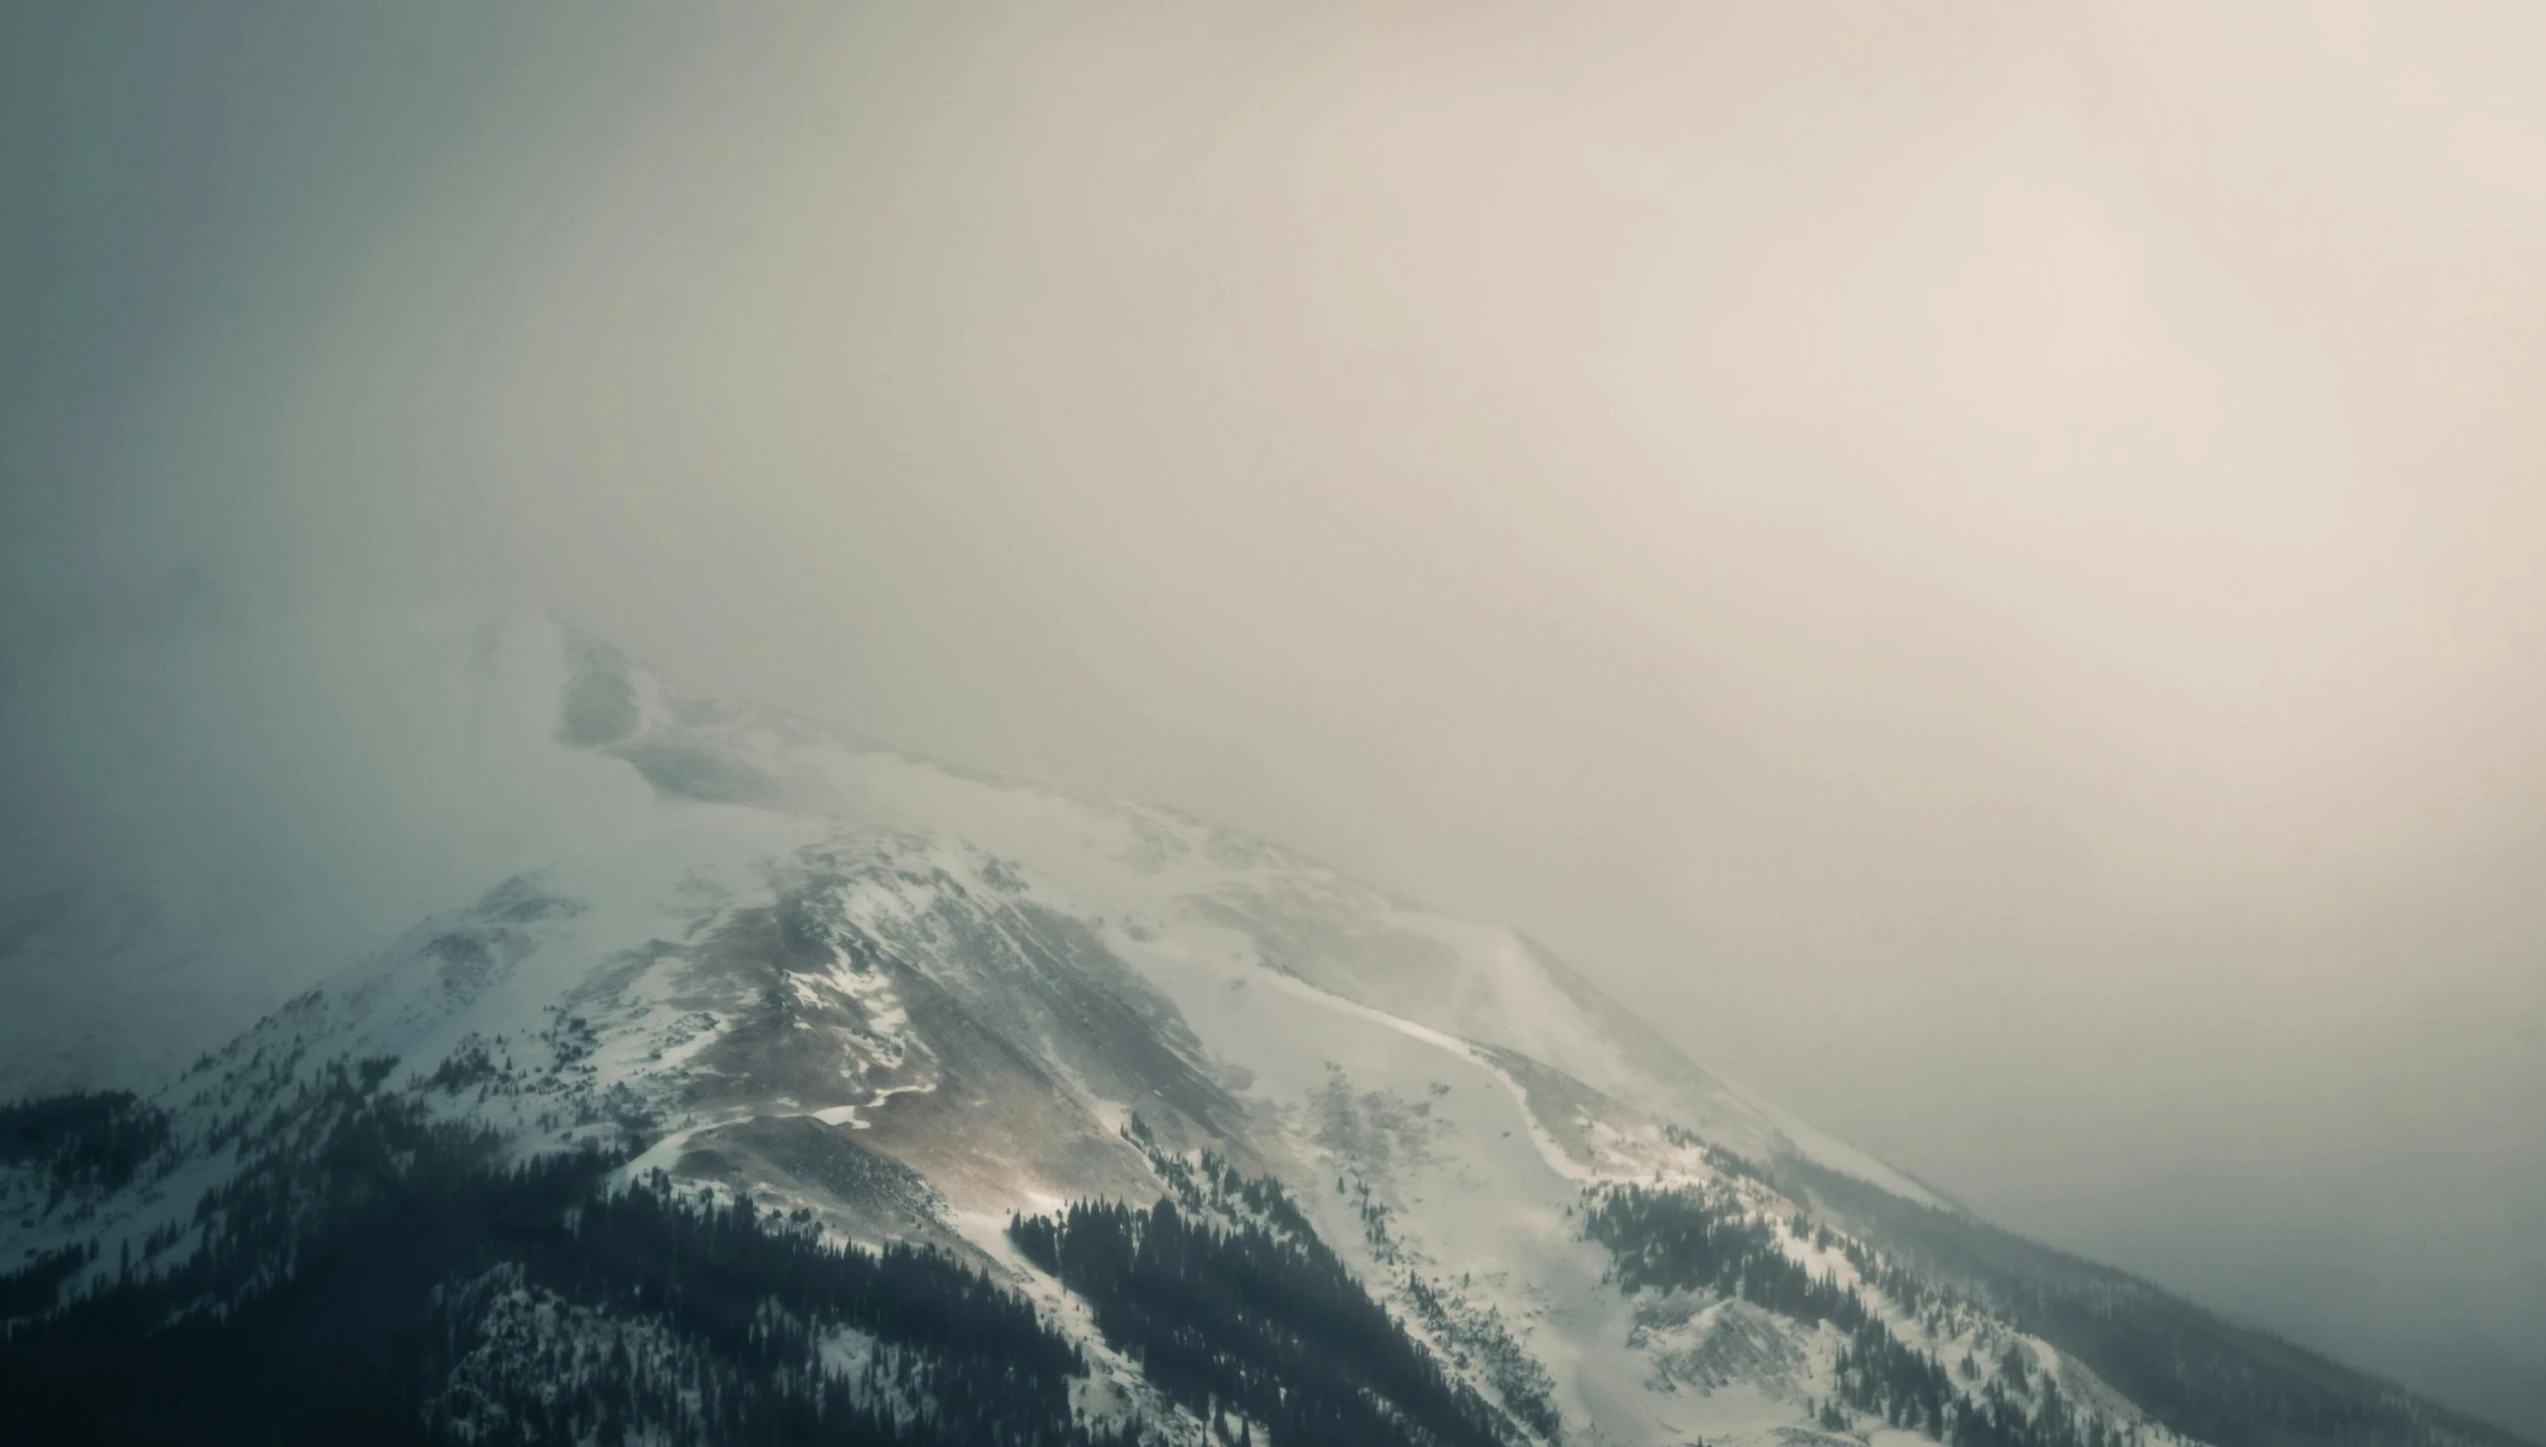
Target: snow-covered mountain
857	1097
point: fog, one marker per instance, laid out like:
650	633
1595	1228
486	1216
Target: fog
1976	563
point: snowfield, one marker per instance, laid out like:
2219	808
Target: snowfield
911	1001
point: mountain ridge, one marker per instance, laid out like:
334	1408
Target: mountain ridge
896	1008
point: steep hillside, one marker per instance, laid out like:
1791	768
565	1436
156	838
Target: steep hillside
855	1098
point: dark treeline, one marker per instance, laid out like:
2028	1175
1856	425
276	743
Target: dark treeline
1265	1322
338	1290
751	1298
2229	1385
84	1140
1678	1239
1527	1388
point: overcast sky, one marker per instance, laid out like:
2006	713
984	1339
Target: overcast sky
1981	564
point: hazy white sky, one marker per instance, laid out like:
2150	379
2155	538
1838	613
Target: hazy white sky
1978	562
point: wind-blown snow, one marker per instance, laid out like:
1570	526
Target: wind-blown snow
913	999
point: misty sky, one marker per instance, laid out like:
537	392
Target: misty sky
1980	564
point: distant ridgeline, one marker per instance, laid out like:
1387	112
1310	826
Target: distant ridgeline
2202	1377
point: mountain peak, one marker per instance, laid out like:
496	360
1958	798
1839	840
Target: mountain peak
831	1042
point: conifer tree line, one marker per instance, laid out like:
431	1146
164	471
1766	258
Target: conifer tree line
86	1139
1267	1322
1682	1239
371	1274
335	1290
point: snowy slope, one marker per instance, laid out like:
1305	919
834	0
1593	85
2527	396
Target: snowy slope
912	1038
1485	983
913	1002
604	751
